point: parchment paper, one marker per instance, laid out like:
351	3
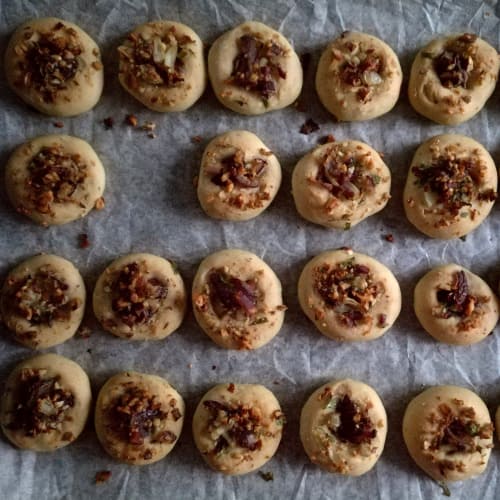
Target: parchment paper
151	206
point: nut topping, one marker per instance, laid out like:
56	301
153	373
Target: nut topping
41	404
456	181
231	295
242	424
349	289
455	64
344	175
457	301
256	68
54	177
51	61
349	422
236	171
136	298
137	415
41	298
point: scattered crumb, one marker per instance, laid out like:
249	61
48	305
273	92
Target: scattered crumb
149	127
58	124
190	365
108	123
276	382
389	238
267	476
102	476
89	351
309	126
99	204
196	139
131	120
83	332
83	240
214	367
326	139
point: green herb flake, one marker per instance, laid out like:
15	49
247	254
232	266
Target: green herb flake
332	404
464	215
260	321
347	226
472	429
267	476
444	487
376	179
463	238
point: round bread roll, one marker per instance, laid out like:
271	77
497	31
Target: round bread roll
237	300
340	184
455	306
239	176
55	179
43	301
452	77
54	66
254	69
237	427
343	427
140	297
138	417
448	432
162	66
349	296
451	186
46	403
359	77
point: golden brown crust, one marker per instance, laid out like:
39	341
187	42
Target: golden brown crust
54	66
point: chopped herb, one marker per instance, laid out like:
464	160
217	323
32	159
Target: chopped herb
267	476
347	226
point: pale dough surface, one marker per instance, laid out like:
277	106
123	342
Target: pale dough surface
171	41
80	93
237	202
318	417
378	315
167	313
266	426
77	203
455	105
375	94
239	331
35	334
318	203
220	66
422	206
153	447
72	378
458	330
420	428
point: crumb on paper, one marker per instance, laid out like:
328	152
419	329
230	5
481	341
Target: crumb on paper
267	476
389	238
99	204
102	476
83	332
196	139
326	139
83	240
131	120
309	126
58	124
108	123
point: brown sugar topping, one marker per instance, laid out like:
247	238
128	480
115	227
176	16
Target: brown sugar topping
349	289
158	60
231	295
455	64
344	175
51	61
236	171
41	404
256	68
354	425
136	297
243	423
54	177
135	415
455	181
41	298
